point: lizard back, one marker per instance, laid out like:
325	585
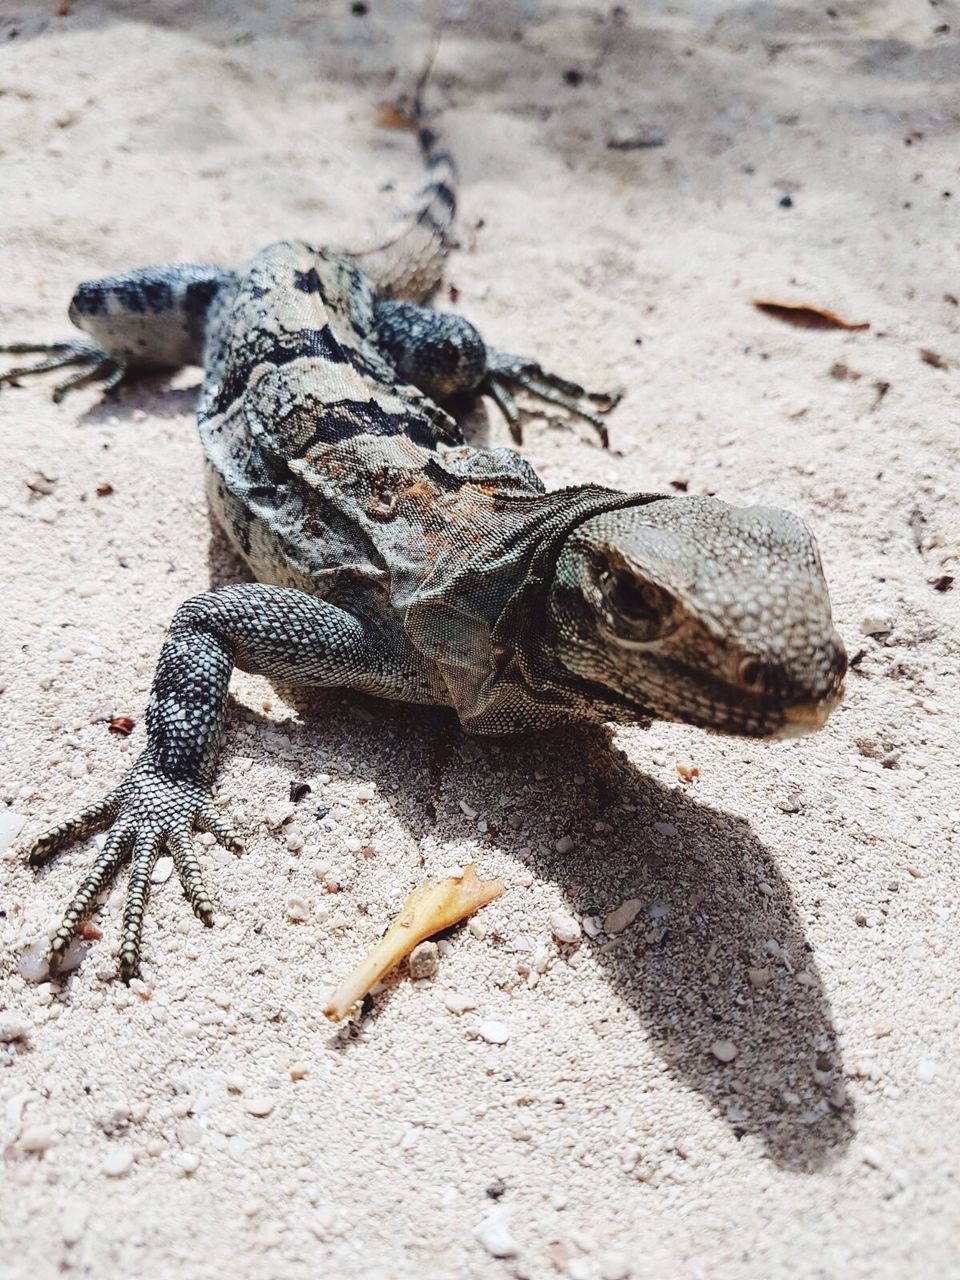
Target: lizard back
326	471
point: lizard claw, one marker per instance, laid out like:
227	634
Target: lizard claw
93	363
147	813
504	371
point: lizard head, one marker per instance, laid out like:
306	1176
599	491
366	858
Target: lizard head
697	611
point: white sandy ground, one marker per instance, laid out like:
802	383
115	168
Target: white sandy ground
798	900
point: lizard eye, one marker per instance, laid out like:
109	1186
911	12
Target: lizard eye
639	609
759	677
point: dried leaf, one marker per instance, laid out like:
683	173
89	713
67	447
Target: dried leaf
881	388
933	358
842	371
433	905
393	115
805	315
121	724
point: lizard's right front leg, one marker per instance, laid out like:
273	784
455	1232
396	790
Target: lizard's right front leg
166	796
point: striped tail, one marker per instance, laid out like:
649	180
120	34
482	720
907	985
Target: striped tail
410	263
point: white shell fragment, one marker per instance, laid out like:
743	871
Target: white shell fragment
494	1235
564	927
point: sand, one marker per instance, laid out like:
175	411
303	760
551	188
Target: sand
757	1076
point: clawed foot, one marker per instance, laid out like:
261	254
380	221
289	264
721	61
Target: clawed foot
93	363
148	812
506	371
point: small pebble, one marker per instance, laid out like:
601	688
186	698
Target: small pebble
298	909
790	803
424	960
11	824
261	1104
493	1032
37	1138
494	1235
614	1269
162	870
119	1162
294	839
877	621
622	917
457	1003
927	1070
592	926
564	927
724	1050
188	1162
297	1070
14	1027
564	845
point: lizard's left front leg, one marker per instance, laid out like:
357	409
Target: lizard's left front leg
444	355
149	318
273	631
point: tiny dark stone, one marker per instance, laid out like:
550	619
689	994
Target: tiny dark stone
359	9
320	813
298	790
943	583
785	202
573	76
496	1189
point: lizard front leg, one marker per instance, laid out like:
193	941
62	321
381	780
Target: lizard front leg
149	318
444	355
273	631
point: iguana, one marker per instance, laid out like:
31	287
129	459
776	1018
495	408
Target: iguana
394	558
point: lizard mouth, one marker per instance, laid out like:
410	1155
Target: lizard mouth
808	717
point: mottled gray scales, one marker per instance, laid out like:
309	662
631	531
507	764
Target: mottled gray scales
393	558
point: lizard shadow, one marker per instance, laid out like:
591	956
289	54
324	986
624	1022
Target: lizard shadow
148	392
717	951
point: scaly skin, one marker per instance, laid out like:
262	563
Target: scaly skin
393	558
